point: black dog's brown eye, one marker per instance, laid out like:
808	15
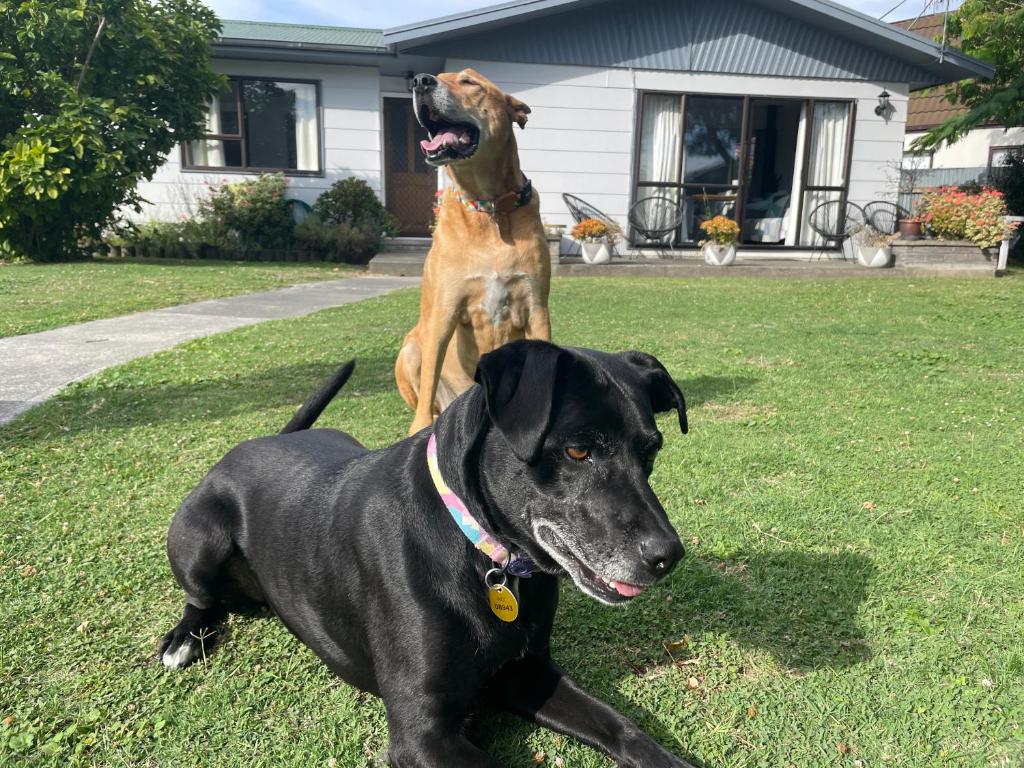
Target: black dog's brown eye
578	454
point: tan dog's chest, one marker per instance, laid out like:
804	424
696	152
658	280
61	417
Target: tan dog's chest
497	298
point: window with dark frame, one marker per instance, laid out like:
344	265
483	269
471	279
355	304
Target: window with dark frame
997	155
765	162
260	125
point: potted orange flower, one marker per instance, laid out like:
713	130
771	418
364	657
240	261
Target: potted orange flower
593	236
719	249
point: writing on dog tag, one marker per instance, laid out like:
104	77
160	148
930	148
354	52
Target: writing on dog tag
503	603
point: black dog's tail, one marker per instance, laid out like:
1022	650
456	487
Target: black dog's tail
314	406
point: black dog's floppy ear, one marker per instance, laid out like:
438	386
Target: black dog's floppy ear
665	393
518	380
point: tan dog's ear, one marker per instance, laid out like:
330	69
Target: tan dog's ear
518	110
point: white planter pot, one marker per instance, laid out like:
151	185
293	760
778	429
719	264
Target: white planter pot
596	253
719	255
874	257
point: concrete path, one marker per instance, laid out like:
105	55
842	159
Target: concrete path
36	366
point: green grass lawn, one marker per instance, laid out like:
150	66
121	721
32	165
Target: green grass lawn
36	297
851	490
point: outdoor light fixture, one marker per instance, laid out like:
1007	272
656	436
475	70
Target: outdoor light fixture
884	109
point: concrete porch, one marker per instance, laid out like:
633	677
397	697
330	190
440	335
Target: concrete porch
407	260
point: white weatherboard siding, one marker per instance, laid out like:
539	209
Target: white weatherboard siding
579	138
350	136
972	151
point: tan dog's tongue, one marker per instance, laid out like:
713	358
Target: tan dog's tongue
444	139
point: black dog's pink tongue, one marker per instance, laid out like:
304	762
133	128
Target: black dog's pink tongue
448	138
626	590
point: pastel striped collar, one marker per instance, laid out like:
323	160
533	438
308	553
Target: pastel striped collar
512	563
505	203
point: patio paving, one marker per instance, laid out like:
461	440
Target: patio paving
36	366
411	264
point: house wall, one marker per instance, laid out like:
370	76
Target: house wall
350	136
579	138
972	150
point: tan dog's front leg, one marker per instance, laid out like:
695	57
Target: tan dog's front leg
434	338
539	324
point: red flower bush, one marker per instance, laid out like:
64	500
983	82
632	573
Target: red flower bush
951	213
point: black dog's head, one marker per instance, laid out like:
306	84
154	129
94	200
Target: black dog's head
568	461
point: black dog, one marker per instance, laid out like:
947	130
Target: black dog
358	554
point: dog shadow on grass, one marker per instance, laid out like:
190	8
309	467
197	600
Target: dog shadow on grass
123	403
702	389
800	608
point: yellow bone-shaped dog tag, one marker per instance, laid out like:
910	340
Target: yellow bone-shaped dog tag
503	603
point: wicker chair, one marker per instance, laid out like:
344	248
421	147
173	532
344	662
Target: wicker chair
581	210
836	221
884	216
655	219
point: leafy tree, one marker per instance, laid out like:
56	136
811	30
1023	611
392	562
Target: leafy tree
993	31
93	95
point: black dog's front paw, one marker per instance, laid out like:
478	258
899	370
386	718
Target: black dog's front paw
178	649
192	638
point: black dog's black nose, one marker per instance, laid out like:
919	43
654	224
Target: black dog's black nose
661	554
423	82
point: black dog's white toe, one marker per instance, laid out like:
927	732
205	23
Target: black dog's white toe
178	649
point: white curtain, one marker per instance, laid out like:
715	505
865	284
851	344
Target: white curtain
828	144
660	145
792	227
660	138
210	152
307	146
827	160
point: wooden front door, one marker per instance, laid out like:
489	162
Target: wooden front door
409	183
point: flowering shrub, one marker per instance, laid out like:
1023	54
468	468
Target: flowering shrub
950	213
590	231
721	230
251	213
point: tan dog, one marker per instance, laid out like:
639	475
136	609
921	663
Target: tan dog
486	278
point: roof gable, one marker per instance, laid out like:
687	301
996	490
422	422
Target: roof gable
790	38
730	36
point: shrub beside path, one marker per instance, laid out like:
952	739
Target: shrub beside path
36	366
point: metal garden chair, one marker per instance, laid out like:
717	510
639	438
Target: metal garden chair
836	221
884	216
580	210
655	219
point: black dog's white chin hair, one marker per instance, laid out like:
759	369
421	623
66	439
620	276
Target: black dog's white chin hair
572	564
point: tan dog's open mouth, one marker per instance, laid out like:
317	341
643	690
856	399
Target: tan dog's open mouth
447	141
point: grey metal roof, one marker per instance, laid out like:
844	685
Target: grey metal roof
795	38
301	35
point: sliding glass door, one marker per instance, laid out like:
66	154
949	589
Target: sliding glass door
764	162
772	184
826	162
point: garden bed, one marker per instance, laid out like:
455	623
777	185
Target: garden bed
958	254
215	253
